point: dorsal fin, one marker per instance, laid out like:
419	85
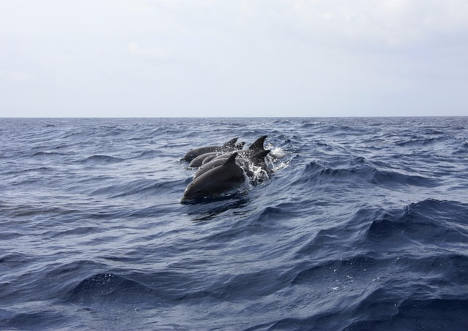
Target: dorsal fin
230	143
231	159
257	146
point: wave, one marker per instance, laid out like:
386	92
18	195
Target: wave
373	297
410	313
433	131
340	268
21	210
131	287
236	287
139	186
109	287
378	229
264	220
319	174
425	221
463	149
82	230
38	320
24	171
48	154
148	154
101	159
420	141
13	260
9	235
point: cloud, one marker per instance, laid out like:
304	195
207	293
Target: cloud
18	76
245	57
156	53
393	22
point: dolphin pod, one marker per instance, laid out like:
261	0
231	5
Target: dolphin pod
223	168
226	147
257	160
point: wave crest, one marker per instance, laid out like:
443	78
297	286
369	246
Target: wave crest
320	174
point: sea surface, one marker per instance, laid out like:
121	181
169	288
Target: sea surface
362	226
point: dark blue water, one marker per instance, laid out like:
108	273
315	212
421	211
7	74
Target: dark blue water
364	226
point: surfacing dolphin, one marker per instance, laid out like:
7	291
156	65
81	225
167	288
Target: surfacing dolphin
198	161
257	160
228	146
254	148
218	180
209	158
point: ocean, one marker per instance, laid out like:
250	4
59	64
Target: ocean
362	226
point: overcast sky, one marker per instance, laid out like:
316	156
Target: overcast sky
233	58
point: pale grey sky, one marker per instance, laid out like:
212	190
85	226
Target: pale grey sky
233	58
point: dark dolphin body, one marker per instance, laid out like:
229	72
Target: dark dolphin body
228	146
210	165
215	181
209	158
256	147
257	159
198	161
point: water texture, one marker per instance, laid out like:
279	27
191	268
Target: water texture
363	226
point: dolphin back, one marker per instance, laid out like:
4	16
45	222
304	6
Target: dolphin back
220	179
190	155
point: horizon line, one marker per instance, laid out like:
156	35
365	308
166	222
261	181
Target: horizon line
211	117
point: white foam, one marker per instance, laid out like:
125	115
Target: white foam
272	161
280	165
276	152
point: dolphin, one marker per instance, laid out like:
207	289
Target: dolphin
258	160
257	146
215	181
228	146
254	148
212	156
209	158
210	165
198	161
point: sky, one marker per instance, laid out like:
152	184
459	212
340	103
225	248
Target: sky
158	58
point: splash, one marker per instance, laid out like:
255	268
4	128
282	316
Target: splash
276	152
273	163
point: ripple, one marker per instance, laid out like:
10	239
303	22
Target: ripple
101	159
137	187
